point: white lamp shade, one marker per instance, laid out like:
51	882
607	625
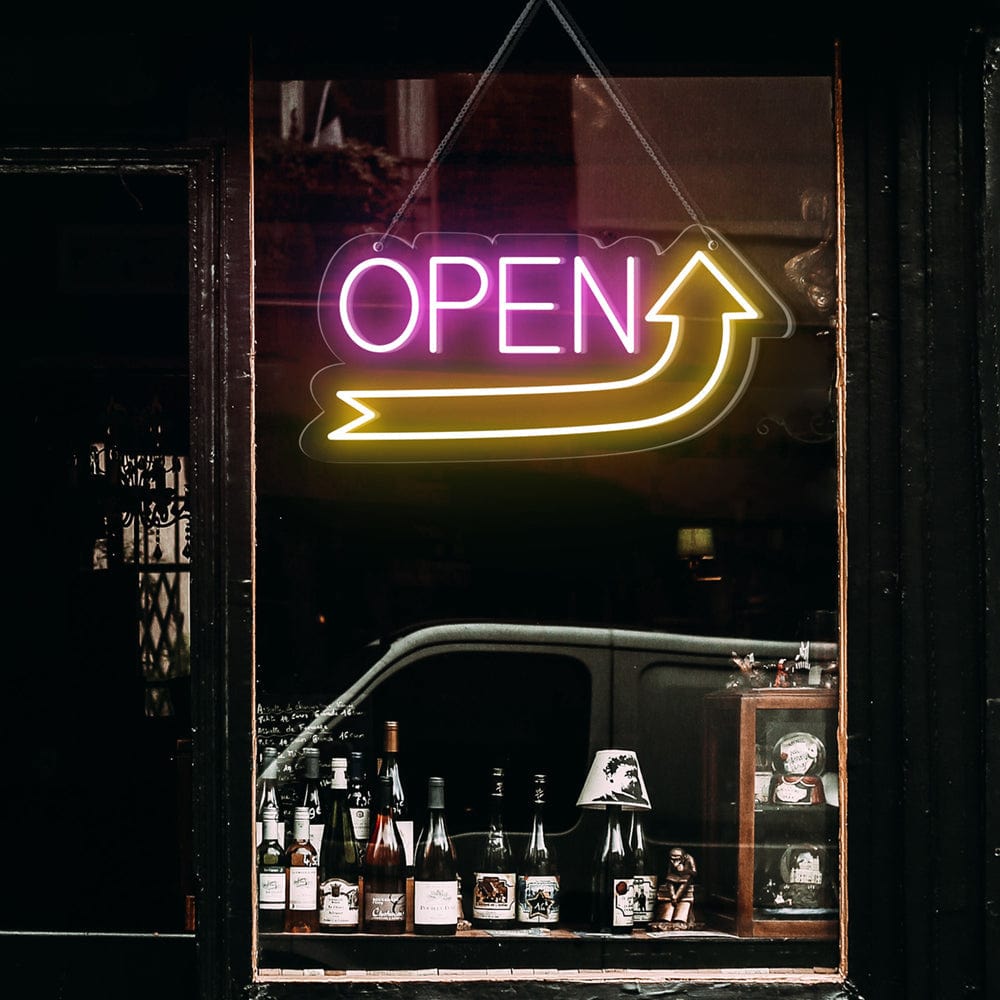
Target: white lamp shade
614	779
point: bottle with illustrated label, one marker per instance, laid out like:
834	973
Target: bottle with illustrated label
435	870
267	794
301	861
311	796
358	796
644	878
494	889
270	876
611	880
340	860
538	875
384	891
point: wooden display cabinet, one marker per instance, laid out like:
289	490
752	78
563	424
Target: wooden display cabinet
772	818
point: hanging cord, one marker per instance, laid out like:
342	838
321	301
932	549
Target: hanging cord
618	99
517	29
602	75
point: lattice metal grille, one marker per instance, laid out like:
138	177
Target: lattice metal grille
147	526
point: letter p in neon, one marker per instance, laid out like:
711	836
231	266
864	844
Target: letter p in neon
435	304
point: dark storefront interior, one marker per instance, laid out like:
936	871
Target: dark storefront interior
99	359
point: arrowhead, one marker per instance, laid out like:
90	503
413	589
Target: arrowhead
702	290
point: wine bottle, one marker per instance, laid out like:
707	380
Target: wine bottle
389	765
301	860
358	797
339	860
267	795
538	877
270	875
611	885
435	878
384	893
644	880
310	796
400	807
493	894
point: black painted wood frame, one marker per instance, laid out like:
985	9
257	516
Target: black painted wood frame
921	276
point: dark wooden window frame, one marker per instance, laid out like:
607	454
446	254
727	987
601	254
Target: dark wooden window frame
218	425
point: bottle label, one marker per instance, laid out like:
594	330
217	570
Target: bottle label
382	906
435	902
538	899
405	827
621	907
316	838
360	820
339	903
792	790
643	897
271	890
302	888
493	896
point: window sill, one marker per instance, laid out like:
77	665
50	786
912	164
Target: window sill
532	954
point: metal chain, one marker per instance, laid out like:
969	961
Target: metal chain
517	29
618	99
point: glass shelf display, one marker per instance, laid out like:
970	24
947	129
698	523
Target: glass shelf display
772	812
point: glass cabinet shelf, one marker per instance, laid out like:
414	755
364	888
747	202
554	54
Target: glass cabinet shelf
772	812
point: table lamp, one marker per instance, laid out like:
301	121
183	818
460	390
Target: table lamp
614	783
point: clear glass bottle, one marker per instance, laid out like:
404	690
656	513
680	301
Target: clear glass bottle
611	884
267	794
384	891
400	806
435	870
340	860
270	875
494	890
389	766
538	876
644	879
311	796
301	861
358	796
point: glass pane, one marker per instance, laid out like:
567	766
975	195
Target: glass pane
524	484
97	686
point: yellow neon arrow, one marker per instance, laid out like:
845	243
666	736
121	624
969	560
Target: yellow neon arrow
435	405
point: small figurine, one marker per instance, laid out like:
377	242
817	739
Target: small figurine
747	673
675	895
781	679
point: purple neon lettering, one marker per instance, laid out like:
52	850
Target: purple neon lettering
583	275
435	303
347	312
506	306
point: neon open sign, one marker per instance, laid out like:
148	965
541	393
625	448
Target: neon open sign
462	347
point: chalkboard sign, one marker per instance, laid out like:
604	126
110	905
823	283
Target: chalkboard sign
333	728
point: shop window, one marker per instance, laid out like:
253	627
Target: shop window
516	596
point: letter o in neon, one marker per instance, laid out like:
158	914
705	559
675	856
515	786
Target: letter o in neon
347	318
